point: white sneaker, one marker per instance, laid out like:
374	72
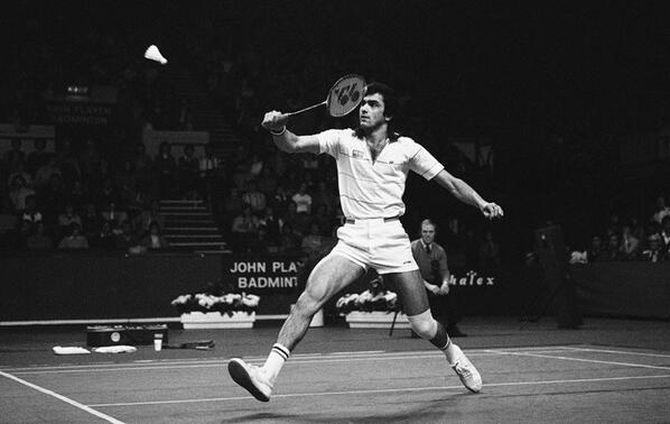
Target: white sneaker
466	371
251	378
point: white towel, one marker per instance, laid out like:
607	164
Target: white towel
115	349
70	350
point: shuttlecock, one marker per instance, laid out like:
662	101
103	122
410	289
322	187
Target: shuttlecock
154	54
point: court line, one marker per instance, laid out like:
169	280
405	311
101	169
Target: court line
622	352
220	363
594	361
380	391
301	358
67	400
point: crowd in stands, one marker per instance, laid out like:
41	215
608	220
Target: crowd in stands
76	200
632	240
103	193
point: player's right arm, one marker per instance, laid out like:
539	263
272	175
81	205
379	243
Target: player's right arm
286	141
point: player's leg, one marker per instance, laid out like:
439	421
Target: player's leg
415	304
330	275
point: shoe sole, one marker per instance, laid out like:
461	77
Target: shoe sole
240	376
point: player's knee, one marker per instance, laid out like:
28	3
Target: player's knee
424	325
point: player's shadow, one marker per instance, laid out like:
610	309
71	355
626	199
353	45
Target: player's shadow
429	411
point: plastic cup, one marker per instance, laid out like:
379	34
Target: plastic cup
158	342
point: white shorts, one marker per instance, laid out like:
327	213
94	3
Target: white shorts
375	243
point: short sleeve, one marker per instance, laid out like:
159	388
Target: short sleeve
329	141
423	163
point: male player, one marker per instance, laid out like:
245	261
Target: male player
372	165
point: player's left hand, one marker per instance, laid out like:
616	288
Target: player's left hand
444	289
492	211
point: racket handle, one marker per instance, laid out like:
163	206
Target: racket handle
323	103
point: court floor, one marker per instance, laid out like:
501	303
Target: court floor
389	380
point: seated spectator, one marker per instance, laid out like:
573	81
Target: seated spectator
68	164
31	215
74	240
90	161
654	252
323	219
630	245
90	221
19	171
69	217
661	211
289	241
143	164
39	240
244	228
256	165
324	197
489	253
280	200
139	202
612	251
19	192
77	195
114	215
143	221
302	200
188	168
53	197
267	182
596	251
299	221
15	158
165	167
107	193
665	233
614	225
125	238
38	157
272	225
208	164
313	241
232	205
254	198
259	244
126	182
104	237
154	240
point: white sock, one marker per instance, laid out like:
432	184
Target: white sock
451	352
278	355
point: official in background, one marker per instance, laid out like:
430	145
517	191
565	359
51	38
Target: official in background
432	261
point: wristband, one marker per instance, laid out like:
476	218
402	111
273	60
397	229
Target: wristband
278	133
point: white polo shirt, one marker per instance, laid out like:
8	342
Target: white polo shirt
374	189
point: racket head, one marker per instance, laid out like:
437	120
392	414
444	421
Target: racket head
345	95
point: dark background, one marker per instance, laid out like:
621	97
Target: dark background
560	92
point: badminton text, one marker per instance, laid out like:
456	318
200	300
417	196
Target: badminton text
266	282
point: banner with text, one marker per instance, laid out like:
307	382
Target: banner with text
278	274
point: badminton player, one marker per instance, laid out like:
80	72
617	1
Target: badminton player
372	165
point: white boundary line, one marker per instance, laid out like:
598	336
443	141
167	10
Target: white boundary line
63	398
94	321
620	352
379	391
145	366
594	361
294	358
